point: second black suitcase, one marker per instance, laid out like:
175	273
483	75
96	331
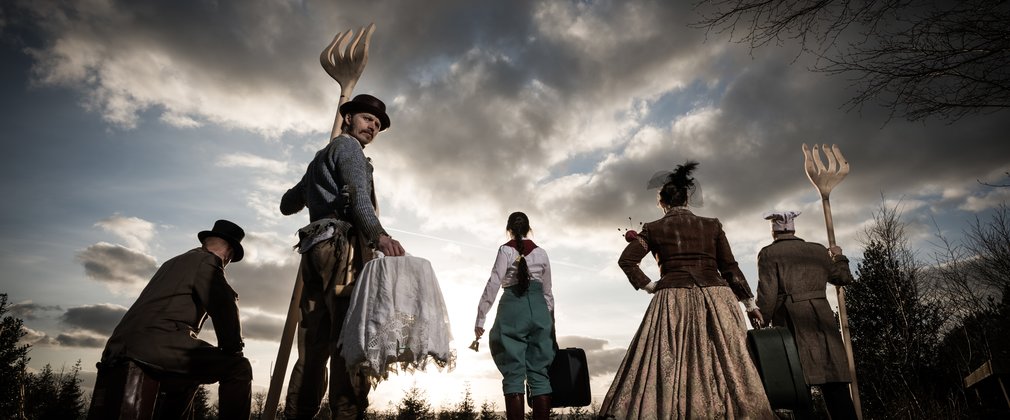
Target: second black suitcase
774	353
569	379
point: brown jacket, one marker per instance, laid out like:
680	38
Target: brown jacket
792	277
690	250
162	325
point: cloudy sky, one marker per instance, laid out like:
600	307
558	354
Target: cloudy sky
130	126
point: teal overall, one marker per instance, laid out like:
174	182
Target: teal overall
521	340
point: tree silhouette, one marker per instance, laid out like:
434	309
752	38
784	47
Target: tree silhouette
975	279
919	58
201	405
13	360
40	390
895	325
259	399
465	410
488	411
414	406
70	400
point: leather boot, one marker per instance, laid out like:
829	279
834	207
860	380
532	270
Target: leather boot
515	409
541	406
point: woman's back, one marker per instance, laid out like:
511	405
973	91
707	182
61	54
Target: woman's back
690	250
681	235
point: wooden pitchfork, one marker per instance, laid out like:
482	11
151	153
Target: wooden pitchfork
825	178
344	60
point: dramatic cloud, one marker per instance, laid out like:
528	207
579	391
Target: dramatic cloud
36	338
81	339
262	327
100	318
117	265
266	286
136	232
568	107
162	64
559	109
29	311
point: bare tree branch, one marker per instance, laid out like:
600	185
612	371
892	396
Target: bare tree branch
920	58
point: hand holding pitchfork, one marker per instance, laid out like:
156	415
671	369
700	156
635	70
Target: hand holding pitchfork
344	60
825	178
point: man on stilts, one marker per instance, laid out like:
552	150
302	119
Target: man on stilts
338	190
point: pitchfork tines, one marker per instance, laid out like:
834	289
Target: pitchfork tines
345	57
824	178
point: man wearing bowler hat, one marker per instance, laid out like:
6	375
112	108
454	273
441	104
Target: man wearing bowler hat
339	192
159	331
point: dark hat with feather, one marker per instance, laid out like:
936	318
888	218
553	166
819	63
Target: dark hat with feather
680	178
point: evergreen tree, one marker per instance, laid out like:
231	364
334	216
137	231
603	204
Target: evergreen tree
13	361
894	325
465	410
414	406
40	390
975	278
70	400
488	411
201	404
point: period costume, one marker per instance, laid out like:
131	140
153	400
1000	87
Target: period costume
397	320
521	338
689	357
338	191
793	275
160	329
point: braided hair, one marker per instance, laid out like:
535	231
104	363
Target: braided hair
519	226
676	190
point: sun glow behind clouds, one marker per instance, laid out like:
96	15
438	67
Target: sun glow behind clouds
559	109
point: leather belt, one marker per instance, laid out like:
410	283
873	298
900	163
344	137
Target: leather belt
811	295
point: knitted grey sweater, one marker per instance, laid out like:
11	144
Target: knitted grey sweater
338	184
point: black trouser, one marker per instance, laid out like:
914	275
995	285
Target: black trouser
232	372
318	331
838	400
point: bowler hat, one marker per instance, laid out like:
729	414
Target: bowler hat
230	232
367	103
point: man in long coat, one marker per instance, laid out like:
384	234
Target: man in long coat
792	277
160	329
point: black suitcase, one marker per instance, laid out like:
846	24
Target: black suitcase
774	352
569	379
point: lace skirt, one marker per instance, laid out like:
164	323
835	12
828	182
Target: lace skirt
397	320
689	360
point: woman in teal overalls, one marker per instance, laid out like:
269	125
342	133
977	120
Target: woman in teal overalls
522	337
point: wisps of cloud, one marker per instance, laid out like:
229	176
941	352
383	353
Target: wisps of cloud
30	311
116	265
36	338
246	160
259	326
136	232
160	66
264	286
80	339
570	105
100	318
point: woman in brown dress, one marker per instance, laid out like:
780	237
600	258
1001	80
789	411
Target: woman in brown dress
689	357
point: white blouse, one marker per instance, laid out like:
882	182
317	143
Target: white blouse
504	275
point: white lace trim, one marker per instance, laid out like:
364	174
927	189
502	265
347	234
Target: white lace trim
397	321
